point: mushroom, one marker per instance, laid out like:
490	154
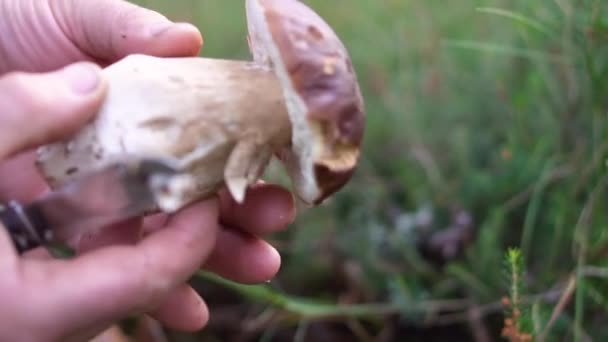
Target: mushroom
221	121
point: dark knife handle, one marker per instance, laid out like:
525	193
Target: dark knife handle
26	226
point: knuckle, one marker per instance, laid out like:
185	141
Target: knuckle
20	89
15	84
147	281
16	78
130	17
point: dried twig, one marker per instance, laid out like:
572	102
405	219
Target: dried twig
494	307
358	330
478	329
594	271
559	308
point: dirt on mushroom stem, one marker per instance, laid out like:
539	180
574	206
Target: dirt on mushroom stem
222	120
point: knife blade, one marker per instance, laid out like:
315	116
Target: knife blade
110	195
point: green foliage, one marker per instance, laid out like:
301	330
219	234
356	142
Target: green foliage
486	130
520	321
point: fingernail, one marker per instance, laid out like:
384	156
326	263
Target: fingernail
275	261
160	28
83	78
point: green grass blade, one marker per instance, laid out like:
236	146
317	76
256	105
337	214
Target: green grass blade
516	17
316	309
534	210
504	50
309	309
581	239
469	280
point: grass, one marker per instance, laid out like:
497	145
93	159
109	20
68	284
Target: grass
488	110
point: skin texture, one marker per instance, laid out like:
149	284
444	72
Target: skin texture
129	268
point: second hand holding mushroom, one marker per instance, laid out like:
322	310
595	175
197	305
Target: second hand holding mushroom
222	121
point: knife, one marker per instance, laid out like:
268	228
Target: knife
109	195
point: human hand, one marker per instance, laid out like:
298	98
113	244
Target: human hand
49	299
43	35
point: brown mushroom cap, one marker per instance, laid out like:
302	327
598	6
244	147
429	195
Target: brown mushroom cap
321	91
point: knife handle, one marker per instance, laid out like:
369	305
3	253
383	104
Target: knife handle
25	226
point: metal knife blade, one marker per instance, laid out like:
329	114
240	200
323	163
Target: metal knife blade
113	194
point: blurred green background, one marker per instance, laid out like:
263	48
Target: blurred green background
486	132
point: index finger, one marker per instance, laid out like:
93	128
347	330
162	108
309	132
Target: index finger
111	283
20	180
268	208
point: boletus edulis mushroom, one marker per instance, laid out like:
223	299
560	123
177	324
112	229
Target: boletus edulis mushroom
221	121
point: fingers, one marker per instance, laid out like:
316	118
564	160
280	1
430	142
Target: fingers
182	310
239	254
120	280
40	108
124	233
267	209
112	29
20	179
243	258
8	252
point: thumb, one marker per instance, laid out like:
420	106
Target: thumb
36	109
112	29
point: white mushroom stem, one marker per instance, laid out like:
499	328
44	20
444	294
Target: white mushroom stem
220	120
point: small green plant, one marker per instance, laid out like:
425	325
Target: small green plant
518	325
